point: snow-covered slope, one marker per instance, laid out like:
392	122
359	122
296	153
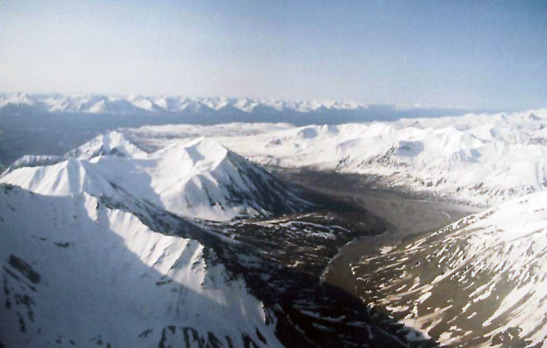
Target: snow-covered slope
111	143
33	161
481	281
91	256
477	159
197	178
66	178
76	272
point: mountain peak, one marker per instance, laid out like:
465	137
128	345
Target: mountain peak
109	144
65	178
199	178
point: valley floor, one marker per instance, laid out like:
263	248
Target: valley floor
407	215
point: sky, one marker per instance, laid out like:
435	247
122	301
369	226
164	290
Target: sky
477	54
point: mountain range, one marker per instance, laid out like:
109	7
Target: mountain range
110	245
186	236
104	104
477	159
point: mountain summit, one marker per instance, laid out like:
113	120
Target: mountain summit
197	179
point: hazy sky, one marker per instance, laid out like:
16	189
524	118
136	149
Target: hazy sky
454	53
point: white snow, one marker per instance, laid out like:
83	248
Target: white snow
103	275
475	159
133	104
196	178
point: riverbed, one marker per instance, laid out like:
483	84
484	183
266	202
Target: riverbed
406	216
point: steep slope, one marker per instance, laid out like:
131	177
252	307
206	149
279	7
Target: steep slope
203	179
67	178
33	161
478	282
197	179
81	273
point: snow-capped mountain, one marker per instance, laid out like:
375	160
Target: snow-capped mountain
101	104
52	124
476	159
141	104
77	272
112	143
95	233
480	281
197	178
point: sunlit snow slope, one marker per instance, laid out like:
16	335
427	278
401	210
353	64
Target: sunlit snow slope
76	272
197	178
94	252
476	159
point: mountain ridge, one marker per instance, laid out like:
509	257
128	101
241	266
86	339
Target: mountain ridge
198	178
117	280
130	104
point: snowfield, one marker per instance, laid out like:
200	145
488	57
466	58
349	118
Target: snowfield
198	178
478	159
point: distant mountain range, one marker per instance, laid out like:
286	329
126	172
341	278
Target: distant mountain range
100	104
73	119
139	104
